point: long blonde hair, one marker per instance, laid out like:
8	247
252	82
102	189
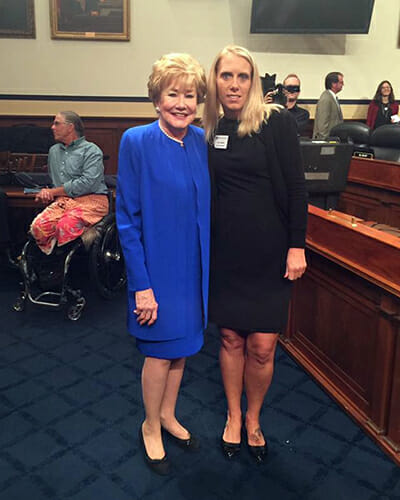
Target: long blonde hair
254	111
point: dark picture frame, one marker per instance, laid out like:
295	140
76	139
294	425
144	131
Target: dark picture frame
90	19
17	19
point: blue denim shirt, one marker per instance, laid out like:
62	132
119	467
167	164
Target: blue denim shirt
77	167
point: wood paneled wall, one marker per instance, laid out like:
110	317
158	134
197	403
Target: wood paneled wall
105	132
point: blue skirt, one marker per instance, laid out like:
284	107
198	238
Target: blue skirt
192	342
172	349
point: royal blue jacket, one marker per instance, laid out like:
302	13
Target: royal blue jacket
152	211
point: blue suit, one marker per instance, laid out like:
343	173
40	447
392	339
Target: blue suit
163	217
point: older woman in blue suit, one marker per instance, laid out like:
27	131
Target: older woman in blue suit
163	221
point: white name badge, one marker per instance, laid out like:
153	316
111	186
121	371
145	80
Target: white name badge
221	141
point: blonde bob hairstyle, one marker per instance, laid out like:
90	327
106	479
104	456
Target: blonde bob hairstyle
254	111
171	67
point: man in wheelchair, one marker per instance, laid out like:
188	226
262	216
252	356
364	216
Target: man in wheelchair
78	198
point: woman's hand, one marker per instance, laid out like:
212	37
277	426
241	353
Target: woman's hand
45	195
146	307
295	263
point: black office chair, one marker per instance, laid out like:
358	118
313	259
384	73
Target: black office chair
385	141
356	132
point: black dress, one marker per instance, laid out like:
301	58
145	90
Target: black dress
250	236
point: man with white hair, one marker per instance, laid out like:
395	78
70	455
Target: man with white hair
78	198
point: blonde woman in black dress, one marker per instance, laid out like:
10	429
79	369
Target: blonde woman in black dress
259	225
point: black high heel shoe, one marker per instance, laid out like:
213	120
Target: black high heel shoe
259	453
160	466
230	450
190	444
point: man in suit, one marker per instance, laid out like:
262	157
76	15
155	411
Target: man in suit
328	113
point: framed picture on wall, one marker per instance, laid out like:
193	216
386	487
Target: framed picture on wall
17	19
89	19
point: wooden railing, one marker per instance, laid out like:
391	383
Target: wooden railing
345	321
373	191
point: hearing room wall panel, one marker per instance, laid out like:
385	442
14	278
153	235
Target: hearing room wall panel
43	66
105	132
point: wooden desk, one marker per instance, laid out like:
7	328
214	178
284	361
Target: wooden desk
18	199
344	323
373	191
22	210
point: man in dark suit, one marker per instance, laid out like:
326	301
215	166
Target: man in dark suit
328	112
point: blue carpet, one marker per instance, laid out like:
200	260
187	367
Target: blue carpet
70	408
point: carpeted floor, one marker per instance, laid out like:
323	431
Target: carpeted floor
70	409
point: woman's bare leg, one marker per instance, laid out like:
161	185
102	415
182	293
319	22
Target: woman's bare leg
232	361
154	380
168	405
259	368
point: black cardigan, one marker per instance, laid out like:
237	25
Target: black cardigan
279	136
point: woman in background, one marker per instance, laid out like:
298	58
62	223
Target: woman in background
258	237
163	204
382	107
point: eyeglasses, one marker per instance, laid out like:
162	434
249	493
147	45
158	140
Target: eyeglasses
56	123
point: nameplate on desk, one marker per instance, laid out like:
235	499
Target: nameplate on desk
363	154
31	190
327	150
316	176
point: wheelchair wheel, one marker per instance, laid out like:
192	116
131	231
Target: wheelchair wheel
106	260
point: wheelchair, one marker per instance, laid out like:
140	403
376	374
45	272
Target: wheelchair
46	278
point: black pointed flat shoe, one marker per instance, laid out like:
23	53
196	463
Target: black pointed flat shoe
190	444
259	453
230	450
160	466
